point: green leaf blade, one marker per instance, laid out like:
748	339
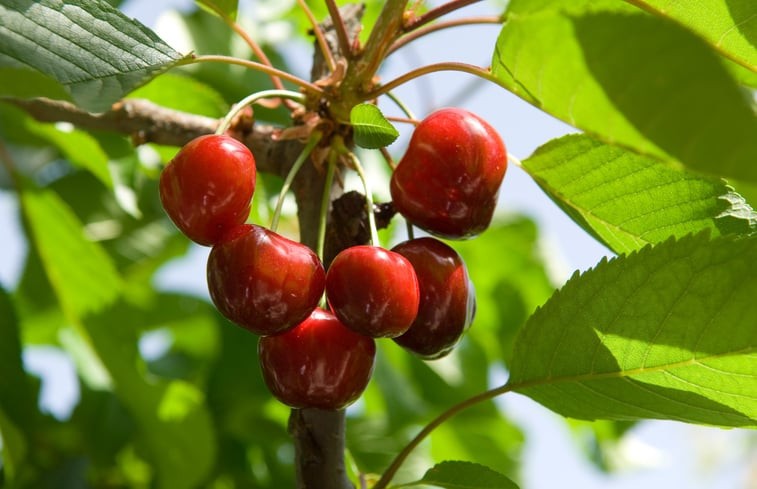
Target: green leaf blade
465	475
729	26
372	130
628	201
672	338
92	49
630	79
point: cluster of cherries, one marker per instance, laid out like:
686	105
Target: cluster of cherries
419	293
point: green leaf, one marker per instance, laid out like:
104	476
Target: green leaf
183	93
667	332
372	130
630	79
730	26
627	201
24	83
91	48
81	273
228	7
465	475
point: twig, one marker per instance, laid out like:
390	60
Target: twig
424	70
341	29
415	34
435	13
325	49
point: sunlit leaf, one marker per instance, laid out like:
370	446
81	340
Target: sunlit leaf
91	48
372	130
667	332
631	79
627	201
465	475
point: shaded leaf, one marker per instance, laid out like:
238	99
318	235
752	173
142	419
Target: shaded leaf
465	475
667	332
91	48
23	82
183	93
630	79
627	201
228	7
372	130
730	26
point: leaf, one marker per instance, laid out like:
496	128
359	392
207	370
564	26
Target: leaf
182	93
629	79
729	26
627	201
667	332
81	273
372	130
24	83
228	7
465	475
96	52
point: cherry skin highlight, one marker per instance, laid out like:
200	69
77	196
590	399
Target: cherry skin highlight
447	300
207	187
320	363
373	291
448	181
263	281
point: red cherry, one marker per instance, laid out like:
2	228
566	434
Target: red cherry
373	291
448	300
318	364
263	281
207	188
448	180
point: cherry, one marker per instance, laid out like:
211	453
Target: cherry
207	187
263	281
373	291
320	363
448	180
448	301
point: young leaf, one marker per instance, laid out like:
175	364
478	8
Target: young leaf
667	332
729	26
631	79
465	475
372	130
627	201
91	48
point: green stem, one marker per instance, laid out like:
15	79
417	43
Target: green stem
513	159
325	202
258	67
368	199
399	103
251	99
312	142
424	70
390	472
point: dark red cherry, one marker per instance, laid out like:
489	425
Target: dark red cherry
448	180
373	291
320	363
207	188
263	281
448	301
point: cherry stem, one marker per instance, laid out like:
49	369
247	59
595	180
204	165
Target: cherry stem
403	107
388	158
437	67
412	36
312	142
410	230
259	53
387	476
258	67
251	99
325	203
319	36
511	157
368	198
341	29
437	12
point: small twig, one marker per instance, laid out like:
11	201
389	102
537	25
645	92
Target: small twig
388	158
319	36
435	13
415	34
341	29
258	67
